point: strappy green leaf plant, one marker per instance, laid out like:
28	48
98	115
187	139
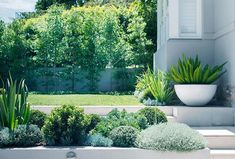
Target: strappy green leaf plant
191	71
157	84
14	109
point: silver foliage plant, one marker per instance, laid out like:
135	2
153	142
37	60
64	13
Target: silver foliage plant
171	137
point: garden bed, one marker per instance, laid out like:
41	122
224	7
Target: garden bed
97	153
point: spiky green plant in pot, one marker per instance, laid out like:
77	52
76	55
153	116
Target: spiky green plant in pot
14	109
191	71
194	82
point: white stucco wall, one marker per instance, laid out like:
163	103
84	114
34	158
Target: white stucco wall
225	41
224	13
203	48
160	59
225	51
208	18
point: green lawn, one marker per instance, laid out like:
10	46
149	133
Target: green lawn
82	99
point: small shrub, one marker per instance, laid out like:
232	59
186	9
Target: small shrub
27	135
65	125
120	118
170	137
99	140
124	136
93	120
37	118
153	115
4	137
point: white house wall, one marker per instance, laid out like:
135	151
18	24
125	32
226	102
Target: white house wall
173	49
225	51
225	44
203	48
208	19
216	45
224	13
160	59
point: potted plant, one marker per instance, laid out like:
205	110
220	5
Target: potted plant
194	83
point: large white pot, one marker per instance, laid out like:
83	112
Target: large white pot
195	94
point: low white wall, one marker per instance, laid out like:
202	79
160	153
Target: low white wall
104	110
205	116
192	116
97	153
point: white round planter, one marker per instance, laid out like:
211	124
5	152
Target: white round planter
195	94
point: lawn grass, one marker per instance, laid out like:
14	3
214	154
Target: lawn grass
82	99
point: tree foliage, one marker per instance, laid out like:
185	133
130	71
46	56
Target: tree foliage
89	38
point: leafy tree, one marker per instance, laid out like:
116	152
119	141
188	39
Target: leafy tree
87	38
147	9
99	40
13	50
138	39
45	4
50	45
2	27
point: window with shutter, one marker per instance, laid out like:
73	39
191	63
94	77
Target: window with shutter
190	18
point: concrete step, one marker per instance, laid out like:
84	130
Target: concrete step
205	116
218	137
171	119
222	154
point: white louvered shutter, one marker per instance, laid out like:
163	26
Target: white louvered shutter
190	18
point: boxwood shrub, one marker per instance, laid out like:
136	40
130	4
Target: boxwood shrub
93	120
124	136
153	115
66	125
37	118
27	135
170	137
118	118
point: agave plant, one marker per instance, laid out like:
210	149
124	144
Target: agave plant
14	108
191	71
158	85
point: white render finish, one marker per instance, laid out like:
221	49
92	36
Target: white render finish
218	137
193	116
104	110
195	94
225	37
205	116
97	153
222	154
